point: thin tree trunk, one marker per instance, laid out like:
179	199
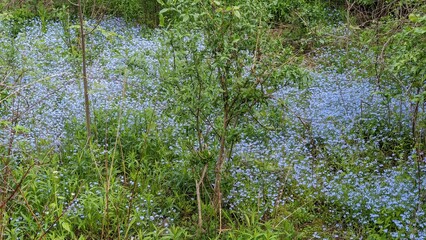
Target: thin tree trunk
218	173
217	200
419	152
83	54
198	186
218	170
218	179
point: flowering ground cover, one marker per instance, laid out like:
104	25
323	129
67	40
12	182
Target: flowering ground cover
335	153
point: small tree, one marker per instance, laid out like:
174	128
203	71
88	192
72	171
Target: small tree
220	65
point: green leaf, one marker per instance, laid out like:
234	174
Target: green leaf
21	129
66	226
237	14
185	17
420	30
161	17
4	123
164	10
413	17
217	3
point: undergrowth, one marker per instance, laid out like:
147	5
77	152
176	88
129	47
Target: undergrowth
333	155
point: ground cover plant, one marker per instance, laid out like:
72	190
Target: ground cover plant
224	123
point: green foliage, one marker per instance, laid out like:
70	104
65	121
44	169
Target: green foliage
145	11
300	23
17	19
405	69
73	196
140	11
213	63
408	58
259	230
64	16
304	13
